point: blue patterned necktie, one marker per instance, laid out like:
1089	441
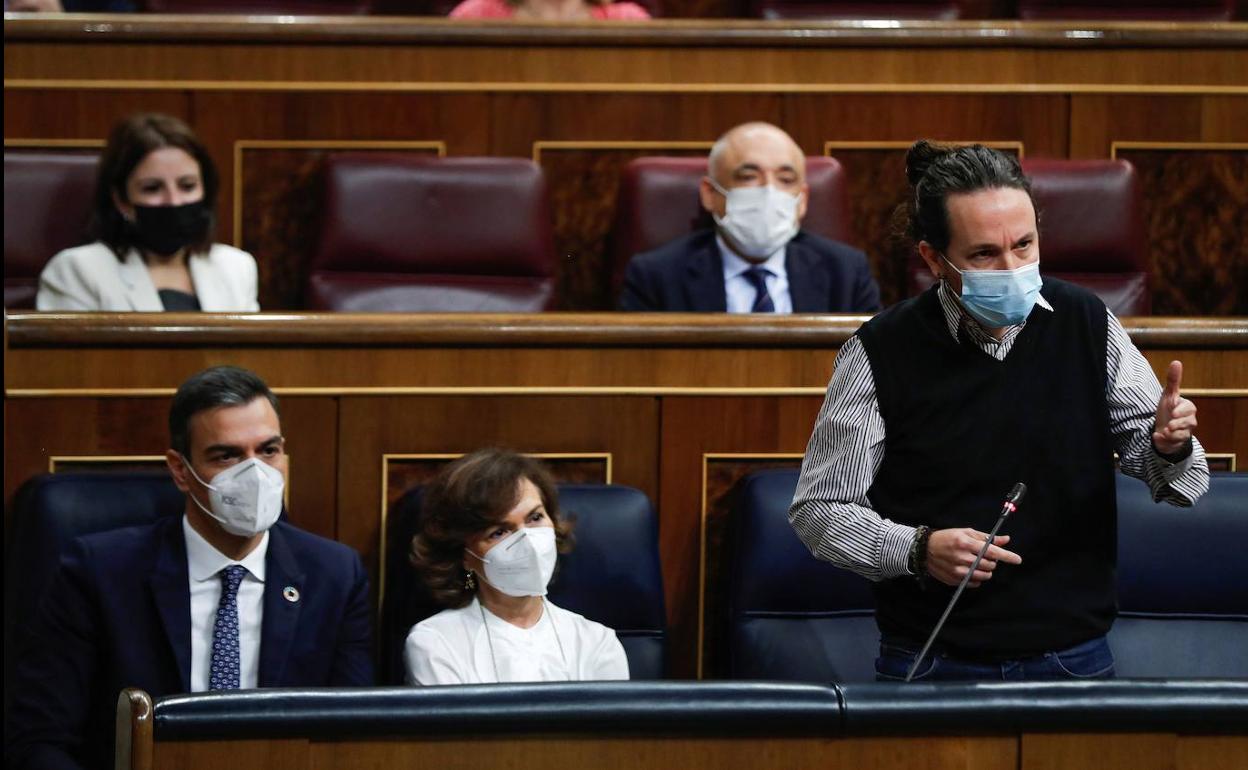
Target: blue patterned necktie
757	276
224	672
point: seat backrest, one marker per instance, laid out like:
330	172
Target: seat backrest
412	234
791	616
1182	589
931	10
659	202
47	205
1182	583
1128	10
50	511
1091	231
611	576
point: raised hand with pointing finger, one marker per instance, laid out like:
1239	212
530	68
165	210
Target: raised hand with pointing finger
1176	416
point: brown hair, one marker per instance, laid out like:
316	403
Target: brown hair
130	142
469	495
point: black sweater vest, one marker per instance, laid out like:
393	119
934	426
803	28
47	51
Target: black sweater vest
960	429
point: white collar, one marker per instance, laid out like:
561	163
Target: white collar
204	561
735	264
955	313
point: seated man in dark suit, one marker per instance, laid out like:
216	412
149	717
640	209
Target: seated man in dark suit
223	597
755	259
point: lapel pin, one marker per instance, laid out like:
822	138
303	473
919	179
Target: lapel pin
290	594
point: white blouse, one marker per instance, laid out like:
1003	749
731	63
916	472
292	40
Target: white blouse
457	647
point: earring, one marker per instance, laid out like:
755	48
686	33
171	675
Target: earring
470	581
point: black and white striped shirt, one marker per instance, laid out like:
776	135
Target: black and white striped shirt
830	509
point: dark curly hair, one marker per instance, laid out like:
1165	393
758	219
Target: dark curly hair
936	171
132	140
469	495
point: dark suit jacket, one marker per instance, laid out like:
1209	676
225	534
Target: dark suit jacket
118	614
687	275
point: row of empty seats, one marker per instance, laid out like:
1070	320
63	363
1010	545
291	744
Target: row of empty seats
944	10
412	234
1183	596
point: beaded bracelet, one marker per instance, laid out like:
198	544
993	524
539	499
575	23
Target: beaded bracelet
918	554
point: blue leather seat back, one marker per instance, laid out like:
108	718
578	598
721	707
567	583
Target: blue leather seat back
50	510
792	617
612	575
1182	589
1182	583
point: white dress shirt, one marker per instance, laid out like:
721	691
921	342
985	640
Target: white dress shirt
203	565
741	293
463	646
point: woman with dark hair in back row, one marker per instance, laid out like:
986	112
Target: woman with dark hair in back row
489	535
153	217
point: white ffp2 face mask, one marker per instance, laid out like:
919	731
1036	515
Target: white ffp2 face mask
522	563
245	499
758	221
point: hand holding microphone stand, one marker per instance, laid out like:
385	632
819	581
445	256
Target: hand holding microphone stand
1010	505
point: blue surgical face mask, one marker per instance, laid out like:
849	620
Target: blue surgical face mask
998	298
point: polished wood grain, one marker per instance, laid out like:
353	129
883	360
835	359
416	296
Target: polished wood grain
1139	751
542	752
693	428
1198	262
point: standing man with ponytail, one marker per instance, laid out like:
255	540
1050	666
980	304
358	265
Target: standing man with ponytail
940	404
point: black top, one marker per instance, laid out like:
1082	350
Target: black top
961	428
178	301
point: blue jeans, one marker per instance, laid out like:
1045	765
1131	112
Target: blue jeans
1089	660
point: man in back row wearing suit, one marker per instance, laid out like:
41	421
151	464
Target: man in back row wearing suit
755	259
222	597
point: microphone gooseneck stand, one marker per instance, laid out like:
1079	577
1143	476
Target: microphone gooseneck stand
1011	505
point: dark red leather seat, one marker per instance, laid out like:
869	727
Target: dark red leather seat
658	202
932	10
410	234
47	204
1128	10
1091	231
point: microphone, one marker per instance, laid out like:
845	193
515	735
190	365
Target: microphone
1009	506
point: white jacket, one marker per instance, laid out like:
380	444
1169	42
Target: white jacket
92	278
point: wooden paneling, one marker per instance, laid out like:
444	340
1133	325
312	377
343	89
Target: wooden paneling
38	429
693	428
1140	751
627	428
1198	261
499	90
541	752
683	405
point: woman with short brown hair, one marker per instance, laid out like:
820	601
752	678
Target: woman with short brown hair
486	548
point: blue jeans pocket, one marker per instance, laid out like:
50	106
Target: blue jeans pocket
1090	660
894	663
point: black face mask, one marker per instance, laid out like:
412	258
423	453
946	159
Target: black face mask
166	230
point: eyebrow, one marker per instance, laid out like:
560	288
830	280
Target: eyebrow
235	447
987	245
